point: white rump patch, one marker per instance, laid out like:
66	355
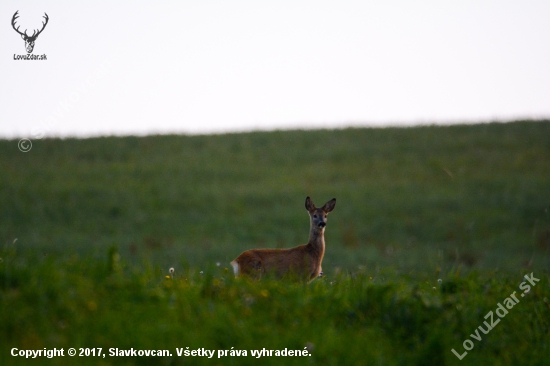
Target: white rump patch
235	267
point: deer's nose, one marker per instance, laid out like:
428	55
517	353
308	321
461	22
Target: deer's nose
321	224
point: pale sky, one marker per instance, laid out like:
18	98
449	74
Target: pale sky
138	67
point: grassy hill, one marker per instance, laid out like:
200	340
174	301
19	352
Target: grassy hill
414	198
432	228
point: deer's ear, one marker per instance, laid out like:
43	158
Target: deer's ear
23	36
329	206
310	206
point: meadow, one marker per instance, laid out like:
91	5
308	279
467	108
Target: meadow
434	227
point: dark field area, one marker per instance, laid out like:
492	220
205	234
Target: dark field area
433	228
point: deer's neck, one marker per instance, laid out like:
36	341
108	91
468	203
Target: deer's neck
317	241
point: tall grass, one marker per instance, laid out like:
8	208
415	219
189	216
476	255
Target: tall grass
359	319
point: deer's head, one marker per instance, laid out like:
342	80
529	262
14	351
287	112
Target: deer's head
318	216
29	40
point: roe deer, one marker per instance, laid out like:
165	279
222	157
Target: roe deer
303	261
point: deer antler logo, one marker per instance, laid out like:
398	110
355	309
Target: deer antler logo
29	40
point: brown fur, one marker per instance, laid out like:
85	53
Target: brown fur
303	261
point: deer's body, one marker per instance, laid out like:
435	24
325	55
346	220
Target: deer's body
303	261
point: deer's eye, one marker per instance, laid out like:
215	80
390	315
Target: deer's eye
314	216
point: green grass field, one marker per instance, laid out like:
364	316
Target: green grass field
434	227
